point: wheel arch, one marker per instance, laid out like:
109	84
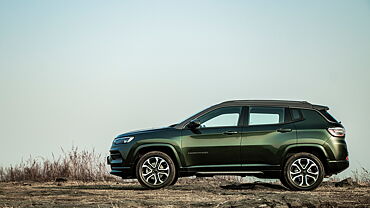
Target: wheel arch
166	148
315	149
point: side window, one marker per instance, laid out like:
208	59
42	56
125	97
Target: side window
266	115
328	116
226	116
296	114
313	118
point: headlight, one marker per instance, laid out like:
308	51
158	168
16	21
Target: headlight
123	140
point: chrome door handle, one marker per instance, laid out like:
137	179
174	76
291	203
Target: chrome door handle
284	130
231	132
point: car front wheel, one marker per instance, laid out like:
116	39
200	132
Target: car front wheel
303	172
155	170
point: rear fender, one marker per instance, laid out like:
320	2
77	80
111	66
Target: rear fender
304	148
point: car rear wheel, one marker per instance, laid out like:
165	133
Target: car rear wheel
155	170
302	172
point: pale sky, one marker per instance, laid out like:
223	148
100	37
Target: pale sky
81	72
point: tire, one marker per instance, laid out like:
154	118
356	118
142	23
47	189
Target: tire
155	170
285	184
302	172
174	180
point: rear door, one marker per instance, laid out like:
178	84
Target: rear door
265	135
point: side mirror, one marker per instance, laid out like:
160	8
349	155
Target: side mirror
193	124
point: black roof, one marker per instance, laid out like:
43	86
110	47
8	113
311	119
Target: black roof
280	103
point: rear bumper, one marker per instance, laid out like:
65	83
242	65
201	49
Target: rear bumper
335	167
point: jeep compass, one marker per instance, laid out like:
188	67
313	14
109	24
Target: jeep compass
294	141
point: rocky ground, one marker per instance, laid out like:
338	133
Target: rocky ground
186	193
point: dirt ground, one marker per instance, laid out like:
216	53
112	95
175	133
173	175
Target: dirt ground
186	193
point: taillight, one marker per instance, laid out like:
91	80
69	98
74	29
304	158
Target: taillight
337	131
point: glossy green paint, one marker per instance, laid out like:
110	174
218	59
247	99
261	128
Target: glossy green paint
264	145
337	148
173	148
164	137
300	147
211	146
313	129
251	148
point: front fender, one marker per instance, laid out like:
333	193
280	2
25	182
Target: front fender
157	146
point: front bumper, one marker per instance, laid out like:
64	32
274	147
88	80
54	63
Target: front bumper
337	166
117	167
123	172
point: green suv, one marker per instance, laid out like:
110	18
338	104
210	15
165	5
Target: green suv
296	142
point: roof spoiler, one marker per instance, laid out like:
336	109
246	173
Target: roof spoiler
320	107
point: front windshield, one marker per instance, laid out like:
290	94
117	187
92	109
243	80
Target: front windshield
188	118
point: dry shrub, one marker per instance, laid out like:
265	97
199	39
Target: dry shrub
73	165
361	176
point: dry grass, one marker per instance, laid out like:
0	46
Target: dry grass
74	165
361	176
82	165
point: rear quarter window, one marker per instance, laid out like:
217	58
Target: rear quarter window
328	116
313	118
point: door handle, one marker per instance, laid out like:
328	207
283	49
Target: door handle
284	130
230	132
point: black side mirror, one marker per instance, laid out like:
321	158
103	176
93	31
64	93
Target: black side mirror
193	124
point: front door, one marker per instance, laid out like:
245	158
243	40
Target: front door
216	143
